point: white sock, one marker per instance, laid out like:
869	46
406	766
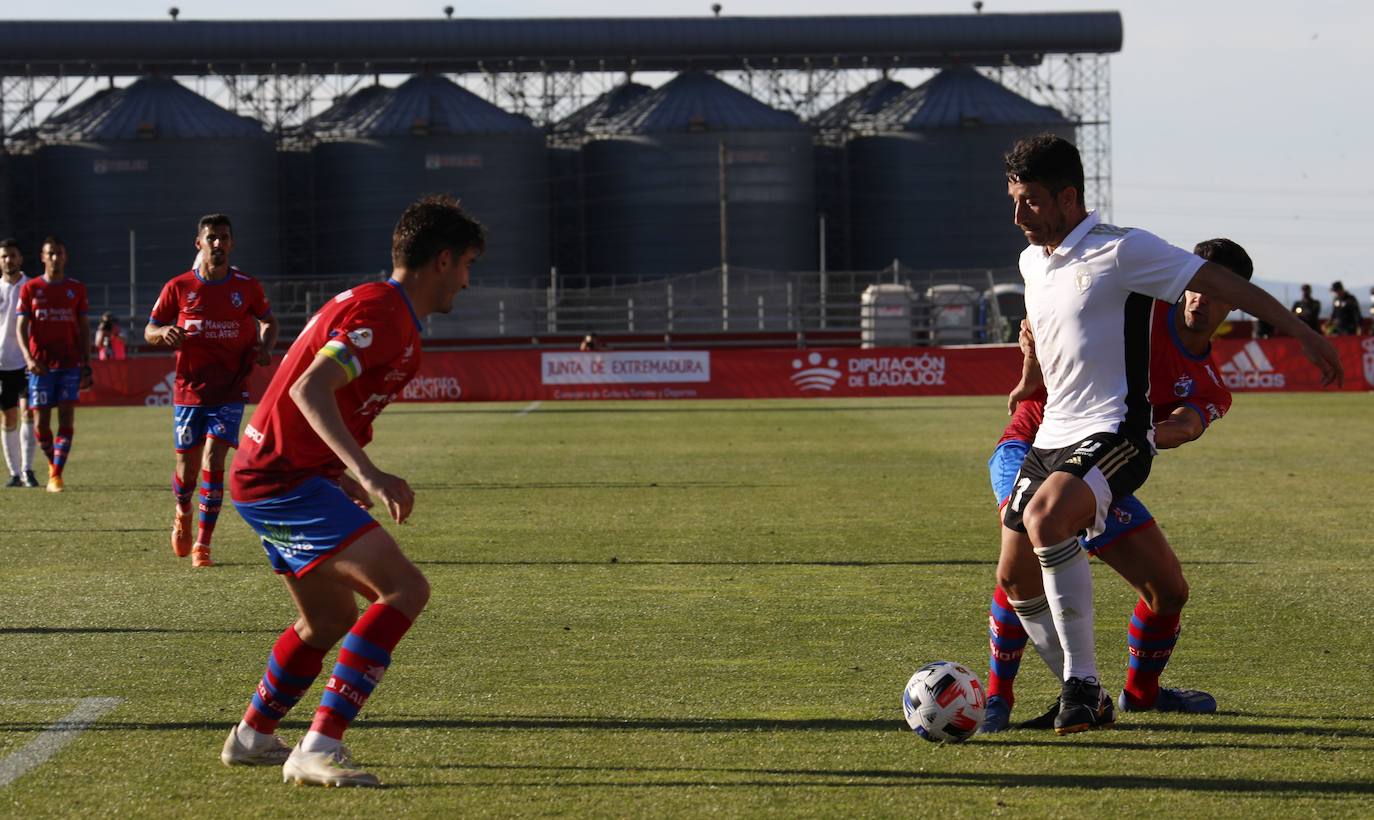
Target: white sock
1069	589
316	742
249	736
12	449
1039	625
27	444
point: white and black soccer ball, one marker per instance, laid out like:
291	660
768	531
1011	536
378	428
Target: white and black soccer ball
944	702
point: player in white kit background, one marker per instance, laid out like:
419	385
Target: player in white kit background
1089	291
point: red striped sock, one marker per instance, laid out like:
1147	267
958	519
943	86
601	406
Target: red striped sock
45	443
363	658
211	497
1006	645
291	668
61	448
1151	638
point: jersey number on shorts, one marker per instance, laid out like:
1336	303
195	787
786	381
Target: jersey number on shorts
184	434
1016	499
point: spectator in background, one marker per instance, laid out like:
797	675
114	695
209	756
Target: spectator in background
591	342
1371	311
1308	309
1262	329
1345	312
109	339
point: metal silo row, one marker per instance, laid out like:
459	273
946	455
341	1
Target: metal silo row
923	179
151	158
634	184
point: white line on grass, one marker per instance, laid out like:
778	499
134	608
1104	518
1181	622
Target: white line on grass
47	744
530	408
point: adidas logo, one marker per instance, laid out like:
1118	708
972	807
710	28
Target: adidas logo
1251	368
162	392
819	375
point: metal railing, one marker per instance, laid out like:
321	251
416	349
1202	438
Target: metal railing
738	306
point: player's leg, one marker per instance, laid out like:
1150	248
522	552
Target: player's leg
9	414
1063	506
68	393
27	441
42	398
1144	558
374	566
1006	636
188	440
327	610
222	430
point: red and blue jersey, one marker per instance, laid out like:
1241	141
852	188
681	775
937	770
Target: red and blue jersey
1180	379
1177	379
220	318
372	332
56	311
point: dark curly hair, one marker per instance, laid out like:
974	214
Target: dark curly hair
1048	159
1228	254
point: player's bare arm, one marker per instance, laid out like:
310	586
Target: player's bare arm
314	393
1032	379
22	328
1220	283
267	339
1182	426
170	335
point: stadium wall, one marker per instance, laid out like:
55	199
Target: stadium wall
1268	365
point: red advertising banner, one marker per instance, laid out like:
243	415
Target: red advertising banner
528	375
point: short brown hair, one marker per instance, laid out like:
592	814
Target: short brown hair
430	226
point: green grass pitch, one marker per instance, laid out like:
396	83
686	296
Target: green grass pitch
668	609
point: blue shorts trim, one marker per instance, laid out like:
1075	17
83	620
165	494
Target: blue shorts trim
62	386
1004	465
1124	516
191	424
301	528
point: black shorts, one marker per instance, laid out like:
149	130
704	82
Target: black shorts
14	385
1112	464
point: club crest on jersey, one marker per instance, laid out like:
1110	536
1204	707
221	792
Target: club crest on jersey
71	294
191	296
236	299
361	338
1082	279
1184	387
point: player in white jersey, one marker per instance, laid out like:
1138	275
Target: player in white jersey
14	390
1089	290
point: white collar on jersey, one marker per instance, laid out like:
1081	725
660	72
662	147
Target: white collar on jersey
1076	235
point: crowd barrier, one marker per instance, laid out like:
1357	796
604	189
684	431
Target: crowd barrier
1273	365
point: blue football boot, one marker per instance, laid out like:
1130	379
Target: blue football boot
998	716
1188	701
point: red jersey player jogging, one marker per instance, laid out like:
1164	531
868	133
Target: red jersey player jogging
353	358
217	319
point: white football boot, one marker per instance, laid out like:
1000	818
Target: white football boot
266	750
324	769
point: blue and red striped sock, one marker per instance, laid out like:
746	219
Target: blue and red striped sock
1151	638
45	443
180	492
363	658
211	497
61	449
291	668
1006	645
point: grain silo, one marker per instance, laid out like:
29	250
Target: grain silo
567	215
926	178
833	128
652	177
152	158
377	155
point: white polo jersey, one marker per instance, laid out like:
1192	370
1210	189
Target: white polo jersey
1089	305
11	353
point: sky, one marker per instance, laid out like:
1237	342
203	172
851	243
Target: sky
1250	120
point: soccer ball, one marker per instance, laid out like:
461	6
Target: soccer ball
944	702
